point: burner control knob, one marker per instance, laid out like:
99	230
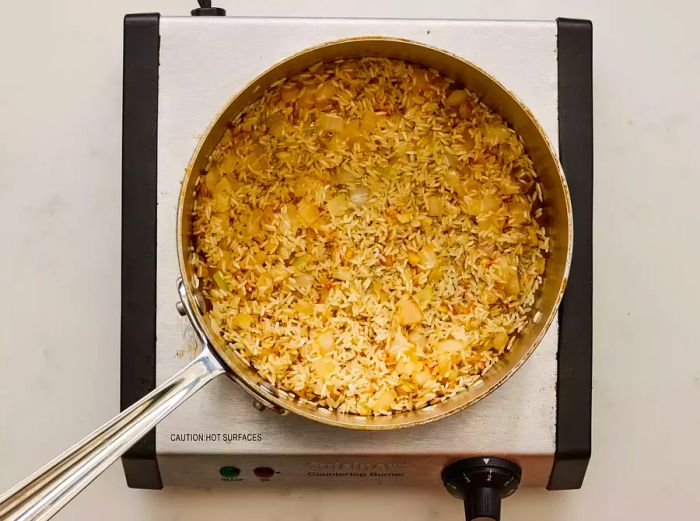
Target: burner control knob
482	482
205	9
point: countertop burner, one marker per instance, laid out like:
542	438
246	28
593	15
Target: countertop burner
178	73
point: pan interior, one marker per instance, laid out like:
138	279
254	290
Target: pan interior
557	218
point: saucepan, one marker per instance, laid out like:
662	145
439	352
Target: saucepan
45	492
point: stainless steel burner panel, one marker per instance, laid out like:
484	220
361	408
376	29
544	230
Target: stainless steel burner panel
218	437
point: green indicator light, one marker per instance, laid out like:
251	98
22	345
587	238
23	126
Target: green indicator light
229	472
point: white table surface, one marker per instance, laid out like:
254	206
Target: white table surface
60	182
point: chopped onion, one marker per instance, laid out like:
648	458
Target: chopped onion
324	93
304	185
226	138
509	186
308	212
491	223
305	100
471	184
325	342
257	158
398	344
512	286
331	122
303	281
418	339
456	98
420	78
300	262
480	205
289	93
343	274
444	364
285	224
253	224
465	110
538	263
224	185
351	130
211	179
220	280
228	164
324	367
490	203
450	346
359	195
468	140
220	202
407	366
423	377
434	205
369	121
264	284
453	181
424	296
345	177
435	274
500	340
304	307
496	134
294	219
284	252
427	259
506	270
383	400
243	320
474	206
276	124
338	205
225	262
408	312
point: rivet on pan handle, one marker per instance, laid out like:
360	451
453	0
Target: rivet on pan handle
261	401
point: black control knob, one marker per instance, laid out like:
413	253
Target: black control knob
205	9
482	482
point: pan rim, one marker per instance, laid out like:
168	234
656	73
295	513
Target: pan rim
401	419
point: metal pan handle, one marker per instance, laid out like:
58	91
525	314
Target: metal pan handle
45	492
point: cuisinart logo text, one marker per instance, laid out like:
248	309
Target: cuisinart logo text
355	470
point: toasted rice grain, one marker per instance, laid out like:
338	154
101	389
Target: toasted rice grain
366	236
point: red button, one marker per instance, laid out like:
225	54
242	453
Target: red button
264	472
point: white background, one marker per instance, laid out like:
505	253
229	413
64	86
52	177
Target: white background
60	183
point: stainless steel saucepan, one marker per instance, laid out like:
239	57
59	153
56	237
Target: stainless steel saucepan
45	492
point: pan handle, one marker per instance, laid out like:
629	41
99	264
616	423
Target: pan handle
45	492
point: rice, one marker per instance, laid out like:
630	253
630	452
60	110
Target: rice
366	236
